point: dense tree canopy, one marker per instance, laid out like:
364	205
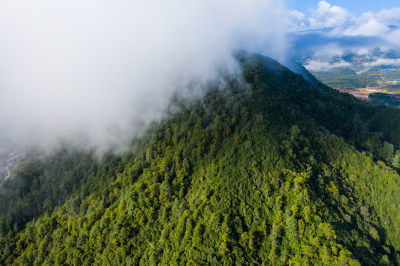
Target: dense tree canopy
263	169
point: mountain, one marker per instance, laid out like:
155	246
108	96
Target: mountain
356	64
376	72
265	168
298	68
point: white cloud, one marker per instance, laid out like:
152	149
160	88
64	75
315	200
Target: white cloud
384	62
333	31
368	24
328	51
94	68
323	66
327	15
393	38
343	23
388	16
373	24
363	52
297	20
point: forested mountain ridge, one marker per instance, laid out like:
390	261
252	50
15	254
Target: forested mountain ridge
264	169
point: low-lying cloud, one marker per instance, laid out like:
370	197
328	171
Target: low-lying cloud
342	23
323	40
99	71
319	66
384	62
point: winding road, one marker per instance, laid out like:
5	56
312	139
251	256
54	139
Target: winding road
10	162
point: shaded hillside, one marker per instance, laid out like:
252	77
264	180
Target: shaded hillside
264	169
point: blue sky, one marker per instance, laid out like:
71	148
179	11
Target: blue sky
88	70
349	17
339	27
356	7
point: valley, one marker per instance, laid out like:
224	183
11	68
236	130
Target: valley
191	133
375	96
377	85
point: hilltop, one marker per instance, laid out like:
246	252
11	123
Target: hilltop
264	168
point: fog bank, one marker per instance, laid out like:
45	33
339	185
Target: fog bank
96	72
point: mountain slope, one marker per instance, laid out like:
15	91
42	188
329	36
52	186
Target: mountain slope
265	168
298	68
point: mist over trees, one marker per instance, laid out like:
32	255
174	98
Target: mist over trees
276	171
97	73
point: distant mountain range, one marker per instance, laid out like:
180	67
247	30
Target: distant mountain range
264	169
349	63
324	43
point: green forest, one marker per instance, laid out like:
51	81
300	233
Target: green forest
384	78
263	169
